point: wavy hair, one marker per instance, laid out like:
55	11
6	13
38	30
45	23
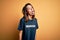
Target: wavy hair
24	10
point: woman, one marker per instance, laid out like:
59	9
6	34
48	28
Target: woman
28	23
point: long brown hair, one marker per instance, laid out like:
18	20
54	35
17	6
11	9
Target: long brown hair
24	10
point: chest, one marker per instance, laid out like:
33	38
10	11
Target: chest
30	24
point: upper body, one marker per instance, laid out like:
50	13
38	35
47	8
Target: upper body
28	23
28	28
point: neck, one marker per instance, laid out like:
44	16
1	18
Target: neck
30	17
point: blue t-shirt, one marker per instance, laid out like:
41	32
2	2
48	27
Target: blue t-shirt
28	28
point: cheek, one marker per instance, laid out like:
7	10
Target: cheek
29	10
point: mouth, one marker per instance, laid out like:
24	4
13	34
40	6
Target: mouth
33	13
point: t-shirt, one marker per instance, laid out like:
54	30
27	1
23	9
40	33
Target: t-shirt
28	28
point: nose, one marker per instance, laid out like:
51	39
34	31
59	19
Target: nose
33	10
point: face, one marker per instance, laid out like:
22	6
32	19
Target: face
30	10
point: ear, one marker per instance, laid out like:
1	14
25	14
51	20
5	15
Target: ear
26	13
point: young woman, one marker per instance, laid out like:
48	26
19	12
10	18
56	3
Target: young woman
28	23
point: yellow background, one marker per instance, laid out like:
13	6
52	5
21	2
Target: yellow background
47	14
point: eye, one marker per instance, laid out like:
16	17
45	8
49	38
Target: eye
29	9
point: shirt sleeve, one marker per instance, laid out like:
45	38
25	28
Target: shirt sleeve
36	24
20	25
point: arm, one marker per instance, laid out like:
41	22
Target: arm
20	35
20	28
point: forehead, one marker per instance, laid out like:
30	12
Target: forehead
29	6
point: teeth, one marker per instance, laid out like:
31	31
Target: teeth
32	12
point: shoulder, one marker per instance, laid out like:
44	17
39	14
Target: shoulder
35	19
22	19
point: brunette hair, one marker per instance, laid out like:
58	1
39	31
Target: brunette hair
24	10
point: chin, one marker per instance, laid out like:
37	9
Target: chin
33	14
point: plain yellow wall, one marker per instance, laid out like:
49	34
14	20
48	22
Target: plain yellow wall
46	11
